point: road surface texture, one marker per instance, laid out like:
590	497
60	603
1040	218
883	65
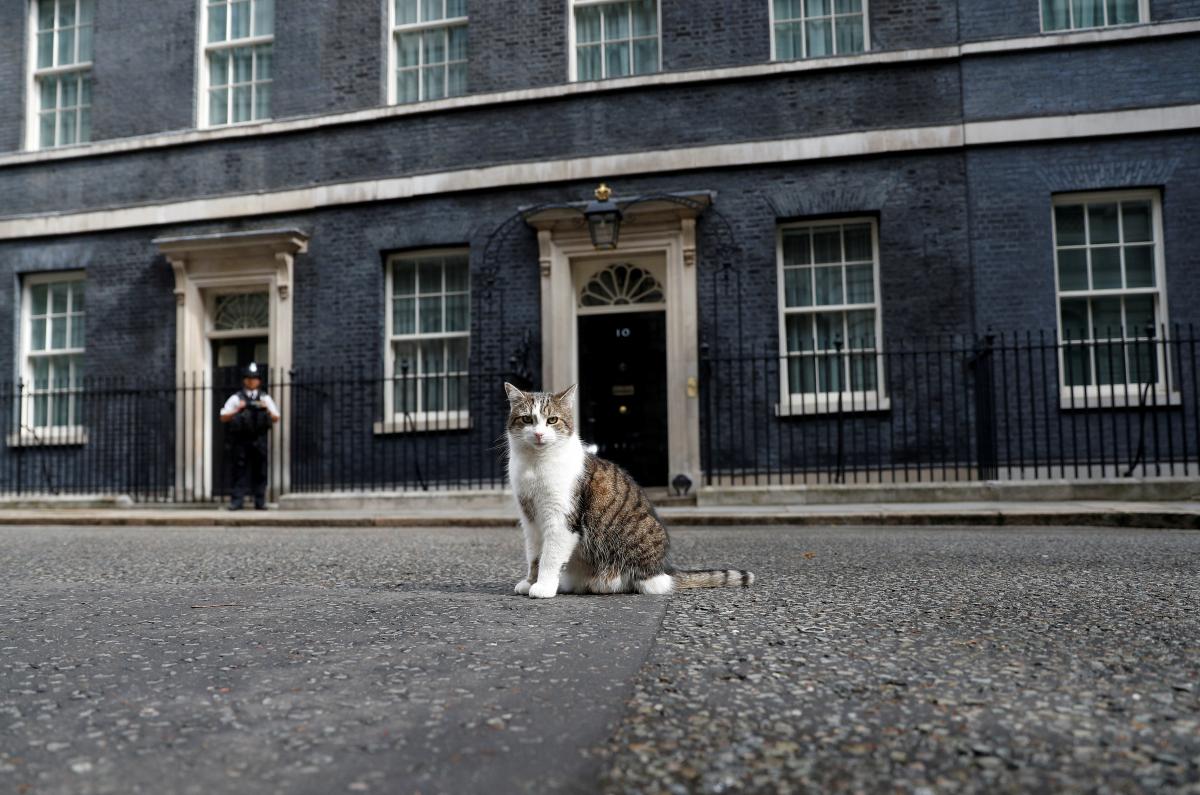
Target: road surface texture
193	660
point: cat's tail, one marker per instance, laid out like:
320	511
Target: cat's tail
712	578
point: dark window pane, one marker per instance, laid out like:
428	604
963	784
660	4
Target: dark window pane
1106	268
1106	318
1077	370
799	333
1075	323
1068	225
795	248
827	244
1072	269
1139	266
828	286
1139	316
1136	217
1102	223
797	287
858	242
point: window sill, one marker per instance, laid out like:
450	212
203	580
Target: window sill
1090	28
424	423
1093	399
856	403
49	437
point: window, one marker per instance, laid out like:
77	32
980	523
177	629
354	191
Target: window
61	111
429	49
829	320
429	330
1075	14
239	40
53	343
615	39
814	28
1109	275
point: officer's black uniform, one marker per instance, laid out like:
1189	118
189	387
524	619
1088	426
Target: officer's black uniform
247	435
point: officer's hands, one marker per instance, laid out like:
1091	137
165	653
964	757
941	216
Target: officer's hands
241	405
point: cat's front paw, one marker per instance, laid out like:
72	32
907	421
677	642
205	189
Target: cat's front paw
522	587
543	590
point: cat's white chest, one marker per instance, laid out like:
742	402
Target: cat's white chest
547	482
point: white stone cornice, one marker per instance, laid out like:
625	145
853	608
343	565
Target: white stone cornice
598	167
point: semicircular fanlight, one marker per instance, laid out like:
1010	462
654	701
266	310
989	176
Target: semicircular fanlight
621	283
241	311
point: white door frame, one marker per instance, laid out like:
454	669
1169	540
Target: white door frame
204	265
663	229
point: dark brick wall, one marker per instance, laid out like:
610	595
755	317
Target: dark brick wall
329	57
919	200
516	44
904	24
632	120
964	247
332	58
13	19
339	293
1082	80
983	19
1162	10
144	68
1011	190
130	307
700	34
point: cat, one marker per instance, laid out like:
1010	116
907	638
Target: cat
589	527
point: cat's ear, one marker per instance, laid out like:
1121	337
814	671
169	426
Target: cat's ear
513	393
567	396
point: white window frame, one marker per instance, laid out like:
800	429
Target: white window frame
35	74
394	31
1126	393
419	421
203	49
1143	18
866	15
572	54
848	400
28	434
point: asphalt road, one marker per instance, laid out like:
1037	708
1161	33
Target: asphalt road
322	661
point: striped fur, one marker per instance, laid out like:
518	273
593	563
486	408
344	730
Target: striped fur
589	527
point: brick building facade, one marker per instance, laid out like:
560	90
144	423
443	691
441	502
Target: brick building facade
945	156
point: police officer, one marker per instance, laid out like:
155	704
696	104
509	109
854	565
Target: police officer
249	415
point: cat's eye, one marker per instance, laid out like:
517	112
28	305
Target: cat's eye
551	420
527	419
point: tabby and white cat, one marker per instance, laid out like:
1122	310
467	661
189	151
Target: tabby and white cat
588	526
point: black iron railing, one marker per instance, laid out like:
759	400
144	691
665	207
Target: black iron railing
1002	406
341	433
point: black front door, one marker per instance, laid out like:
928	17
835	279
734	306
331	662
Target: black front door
230	357
623	390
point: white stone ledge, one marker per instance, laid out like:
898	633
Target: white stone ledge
1076	38
920	55
854	144
1082	125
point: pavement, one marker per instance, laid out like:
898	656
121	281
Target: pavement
1095	513
351	659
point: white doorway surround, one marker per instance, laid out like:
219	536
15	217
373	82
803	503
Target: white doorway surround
651	231
206	266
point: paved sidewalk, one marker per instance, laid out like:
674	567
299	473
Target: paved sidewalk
1179	515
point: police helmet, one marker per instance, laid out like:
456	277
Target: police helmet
252	370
